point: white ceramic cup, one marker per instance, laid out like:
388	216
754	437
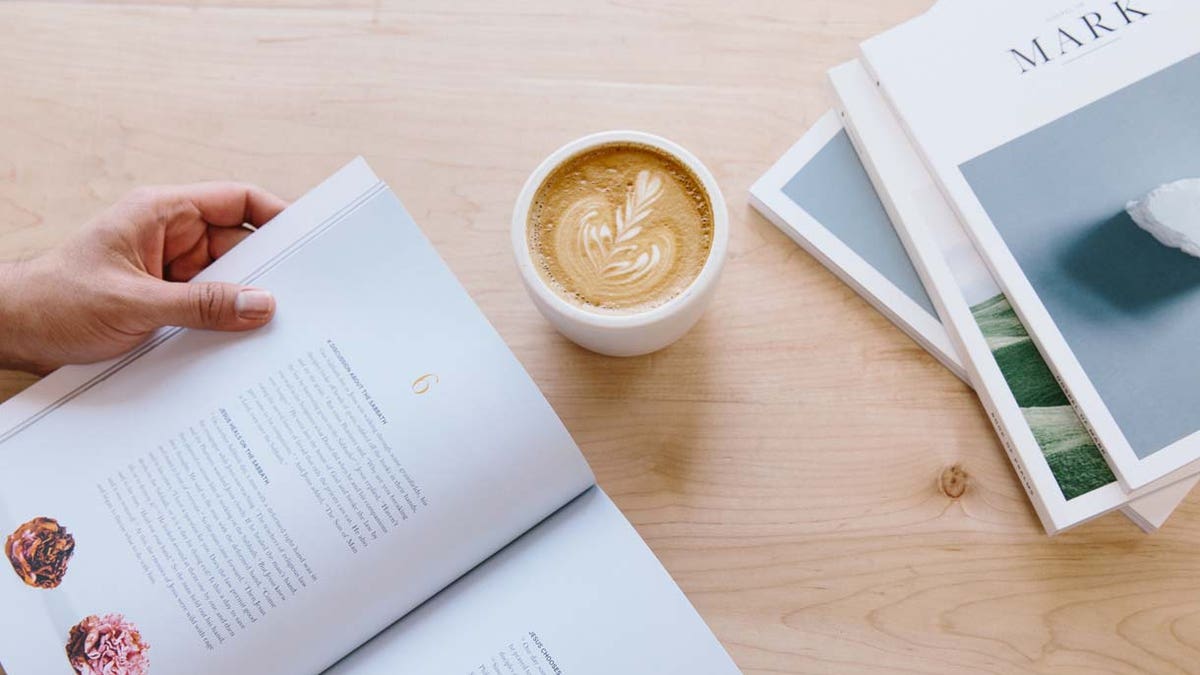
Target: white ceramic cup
622	334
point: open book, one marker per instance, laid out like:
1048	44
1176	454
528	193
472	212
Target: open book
268	502
1060	466
1041	120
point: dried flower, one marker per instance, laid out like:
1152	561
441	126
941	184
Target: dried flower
39	551
107	645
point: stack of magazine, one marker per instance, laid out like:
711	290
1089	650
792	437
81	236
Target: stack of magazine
972	184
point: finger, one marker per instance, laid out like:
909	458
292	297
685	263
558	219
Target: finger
221	239
228	204
162	218
181	214
189	264
208	305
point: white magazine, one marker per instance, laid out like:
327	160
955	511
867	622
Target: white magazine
890	287
819	195
1040	120
1060	466
266	502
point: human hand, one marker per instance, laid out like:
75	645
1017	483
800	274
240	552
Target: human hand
119	278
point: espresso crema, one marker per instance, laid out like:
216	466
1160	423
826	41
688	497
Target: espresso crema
620	228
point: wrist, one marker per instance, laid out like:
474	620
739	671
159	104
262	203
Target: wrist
14	319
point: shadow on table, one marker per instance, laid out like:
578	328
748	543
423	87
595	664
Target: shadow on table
1127	269
652	405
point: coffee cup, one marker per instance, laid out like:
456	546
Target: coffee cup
620	237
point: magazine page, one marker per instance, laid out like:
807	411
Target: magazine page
579	594
1042	121
1062	469
265	502
819	195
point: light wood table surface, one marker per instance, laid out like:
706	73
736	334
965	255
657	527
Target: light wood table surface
783	459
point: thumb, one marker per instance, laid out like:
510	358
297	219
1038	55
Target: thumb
209	305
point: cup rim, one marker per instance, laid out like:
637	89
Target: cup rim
708	271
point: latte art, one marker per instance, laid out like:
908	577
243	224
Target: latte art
621	255
620	229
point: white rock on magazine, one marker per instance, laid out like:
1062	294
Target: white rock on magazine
1172	214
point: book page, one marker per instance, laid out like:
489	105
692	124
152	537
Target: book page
580	594
264	502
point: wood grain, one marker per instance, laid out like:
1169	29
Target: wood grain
784	459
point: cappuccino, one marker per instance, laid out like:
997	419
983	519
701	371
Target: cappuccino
620	228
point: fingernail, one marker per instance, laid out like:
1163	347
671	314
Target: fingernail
252	303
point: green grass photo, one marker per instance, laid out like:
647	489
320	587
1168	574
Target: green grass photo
1074	459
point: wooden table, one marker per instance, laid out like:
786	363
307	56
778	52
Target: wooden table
783	459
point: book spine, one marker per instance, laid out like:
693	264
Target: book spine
1083	419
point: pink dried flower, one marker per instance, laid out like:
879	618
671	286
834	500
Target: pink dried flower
107	645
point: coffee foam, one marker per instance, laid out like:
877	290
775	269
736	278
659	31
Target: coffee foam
621	228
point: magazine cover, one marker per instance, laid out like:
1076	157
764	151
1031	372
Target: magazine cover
819	195
1062	469
1047	121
